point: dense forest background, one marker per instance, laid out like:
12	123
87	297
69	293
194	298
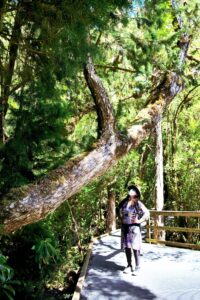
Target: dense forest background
48	116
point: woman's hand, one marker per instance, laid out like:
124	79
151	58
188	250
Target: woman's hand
136	220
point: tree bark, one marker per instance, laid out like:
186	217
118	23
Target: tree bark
31	203
159	165
110	217
9	68
105	117
143	159
159	175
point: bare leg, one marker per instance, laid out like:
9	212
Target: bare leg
128	256
137	257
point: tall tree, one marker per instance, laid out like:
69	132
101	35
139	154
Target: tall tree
34	201
45	41
159	174
111	208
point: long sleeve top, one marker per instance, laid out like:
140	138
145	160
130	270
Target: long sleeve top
130	213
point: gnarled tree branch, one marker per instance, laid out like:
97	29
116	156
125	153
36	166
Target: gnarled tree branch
106	120
33	202
29	204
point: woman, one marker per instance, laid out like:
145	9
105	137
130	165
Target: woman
132	213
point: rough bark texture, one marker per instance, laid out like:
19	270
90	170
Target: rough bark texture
159	175
106	120
159	165
33	202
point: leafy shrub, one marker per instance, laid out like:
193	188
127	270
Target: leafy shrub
6	275
45	252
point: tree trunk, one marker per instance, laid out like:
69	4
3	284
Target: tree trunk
111	216
2	136
159	176
104	110
31	203
75	228
9	68
2	8
143	159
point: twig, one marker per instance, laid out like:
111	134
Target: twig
114	68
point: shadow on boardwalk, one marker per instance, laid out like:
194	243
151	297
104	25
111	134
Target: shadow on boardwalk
166	273
117	288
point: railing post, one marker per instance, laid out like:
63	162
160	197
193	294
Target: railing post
161	233
148	236
155	229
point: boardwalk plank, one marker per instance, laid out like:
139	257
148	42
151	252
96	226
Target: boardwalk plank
167	273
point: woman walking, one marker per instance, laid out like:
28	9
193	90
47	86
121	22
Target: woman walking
132	213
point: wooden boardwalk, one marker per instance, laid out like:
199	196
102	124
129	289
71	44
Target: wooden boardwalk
166	273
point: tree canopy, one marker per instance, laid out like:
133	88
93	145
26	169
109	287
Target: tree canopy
44	48
83	85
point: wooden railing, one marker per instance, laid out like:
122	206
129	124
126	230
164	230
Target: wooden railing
154	229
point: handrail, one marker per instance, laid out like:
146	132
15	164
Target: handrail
175	213
155	229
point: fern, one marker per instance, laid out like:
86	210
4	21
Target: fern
6	275
45	252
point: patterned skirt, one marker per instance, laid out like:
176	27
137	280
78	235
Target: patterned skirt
131	237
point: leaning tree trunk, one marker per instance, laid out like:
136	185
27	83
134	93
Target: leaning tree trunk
31	203
159	176
34	202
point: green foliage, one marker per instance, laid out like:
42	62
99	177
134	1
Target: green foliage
45	252
51	117
6	283
51	44
183	162
36	145
34	254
